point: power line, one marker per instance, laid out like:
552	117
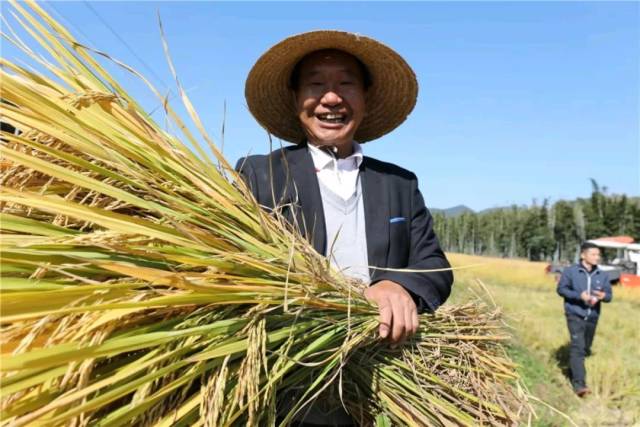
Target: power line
115	33
70	24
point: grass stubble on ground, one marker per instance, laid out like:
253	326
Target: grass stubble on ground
534	314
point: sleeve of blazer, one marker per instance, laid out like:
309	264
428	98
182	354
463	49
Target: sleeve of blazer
565	289
608	292
429	289
246	171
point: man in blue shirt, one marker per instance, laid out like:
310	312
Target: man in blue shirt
584	286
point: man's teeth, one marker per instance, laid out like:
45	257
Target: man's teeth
332	118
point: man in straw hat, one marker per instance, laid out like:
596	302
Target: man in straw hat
328	92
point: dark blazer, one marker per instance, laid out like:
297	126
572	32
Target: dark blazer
399	227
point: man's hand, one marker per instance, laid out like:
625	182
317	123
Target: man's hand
599	294
585	297
398	313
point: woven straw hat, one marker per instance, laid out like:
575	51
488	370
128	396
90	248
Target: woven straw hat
391	96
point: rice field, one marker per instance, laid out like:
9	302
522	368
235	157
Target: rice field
534	314
142	285
144	288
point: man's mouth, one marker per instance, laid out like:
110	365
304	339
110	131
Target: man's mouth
332	117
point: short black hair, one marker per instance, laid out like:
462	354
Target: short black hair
585	246
294	79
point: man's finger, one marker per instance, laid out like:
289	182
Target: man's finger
412	319
408	321
385	319
416	319
397	323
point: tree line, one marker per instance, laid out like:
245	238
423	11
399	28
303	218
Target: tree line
541	232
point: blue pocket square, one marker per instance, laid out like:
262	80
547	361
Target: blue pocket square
397	219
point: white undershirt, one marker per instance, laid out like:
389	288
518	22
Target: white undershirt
340	175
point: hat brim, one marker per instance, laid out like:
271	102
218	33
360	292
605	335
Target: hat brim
390	98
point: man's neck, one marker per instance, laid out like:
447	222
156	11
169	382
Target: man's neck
587	266
340	151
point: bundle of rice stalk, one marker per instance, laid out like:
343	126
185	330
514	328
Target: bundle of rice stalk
143	285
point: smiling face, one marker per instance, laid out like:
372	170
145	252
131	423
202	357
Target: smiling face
330	98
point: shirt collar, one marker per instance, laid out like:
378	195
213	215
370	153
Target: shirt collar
321	158
593	270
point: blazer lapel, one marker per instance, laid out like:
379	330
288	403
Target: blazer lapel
376	215
306	190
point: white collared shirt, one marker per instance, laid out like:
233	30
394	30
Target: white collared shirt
340	175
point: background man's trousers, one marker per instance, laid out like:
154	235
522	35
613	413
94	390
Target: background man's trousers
581	332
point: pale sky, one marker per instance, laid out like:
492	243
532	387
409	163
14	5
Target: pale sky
517	100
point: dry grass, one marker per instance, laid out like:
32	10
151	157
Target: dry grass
142	284
533	309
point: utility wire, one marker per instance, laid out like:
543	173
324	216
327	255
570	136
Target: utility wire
115	33
89	42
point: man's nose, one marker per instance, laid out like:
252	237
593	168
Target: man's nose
331	97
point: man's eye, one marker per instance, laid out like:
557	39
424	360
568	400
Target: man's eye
316	83
346	83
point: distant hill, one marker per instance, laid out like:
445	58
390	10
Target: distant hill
452	212
460	209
